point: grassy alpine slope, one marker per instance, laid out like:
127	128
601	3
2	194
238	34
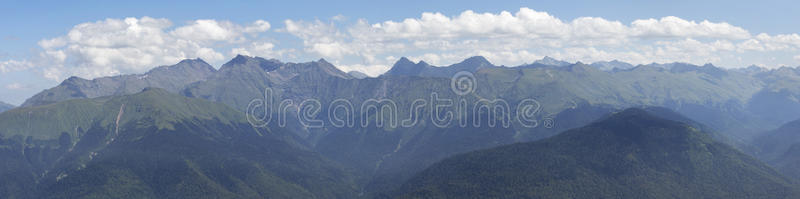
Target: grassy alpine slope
159	144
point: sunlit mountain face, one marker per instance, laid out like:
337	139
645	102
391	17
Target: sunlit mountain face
399	100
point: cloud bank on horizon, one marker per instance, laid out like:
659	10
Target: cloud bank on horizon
134	45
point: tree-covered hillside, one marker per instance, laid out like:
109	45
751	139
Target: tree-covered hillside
630	154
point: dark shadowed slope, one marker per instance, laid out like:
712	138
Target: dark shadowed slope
630	154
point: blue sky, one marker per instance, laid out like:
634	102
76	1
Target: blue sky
737	34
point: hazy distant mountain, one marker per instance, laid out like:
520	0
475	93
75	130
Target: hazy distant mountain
679	67
707	69
752	69
779	99
173	78
357	75
717	102
155	144
612	65
551	62
667	65
5	106
630	154
405	67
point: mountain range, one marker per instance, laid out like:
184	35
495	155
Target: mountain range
173	78
730	107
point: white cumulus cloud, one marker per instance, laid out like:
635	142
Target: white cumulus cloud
672	26
527	35
207	30
260	49
14	65
134	45
15	86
